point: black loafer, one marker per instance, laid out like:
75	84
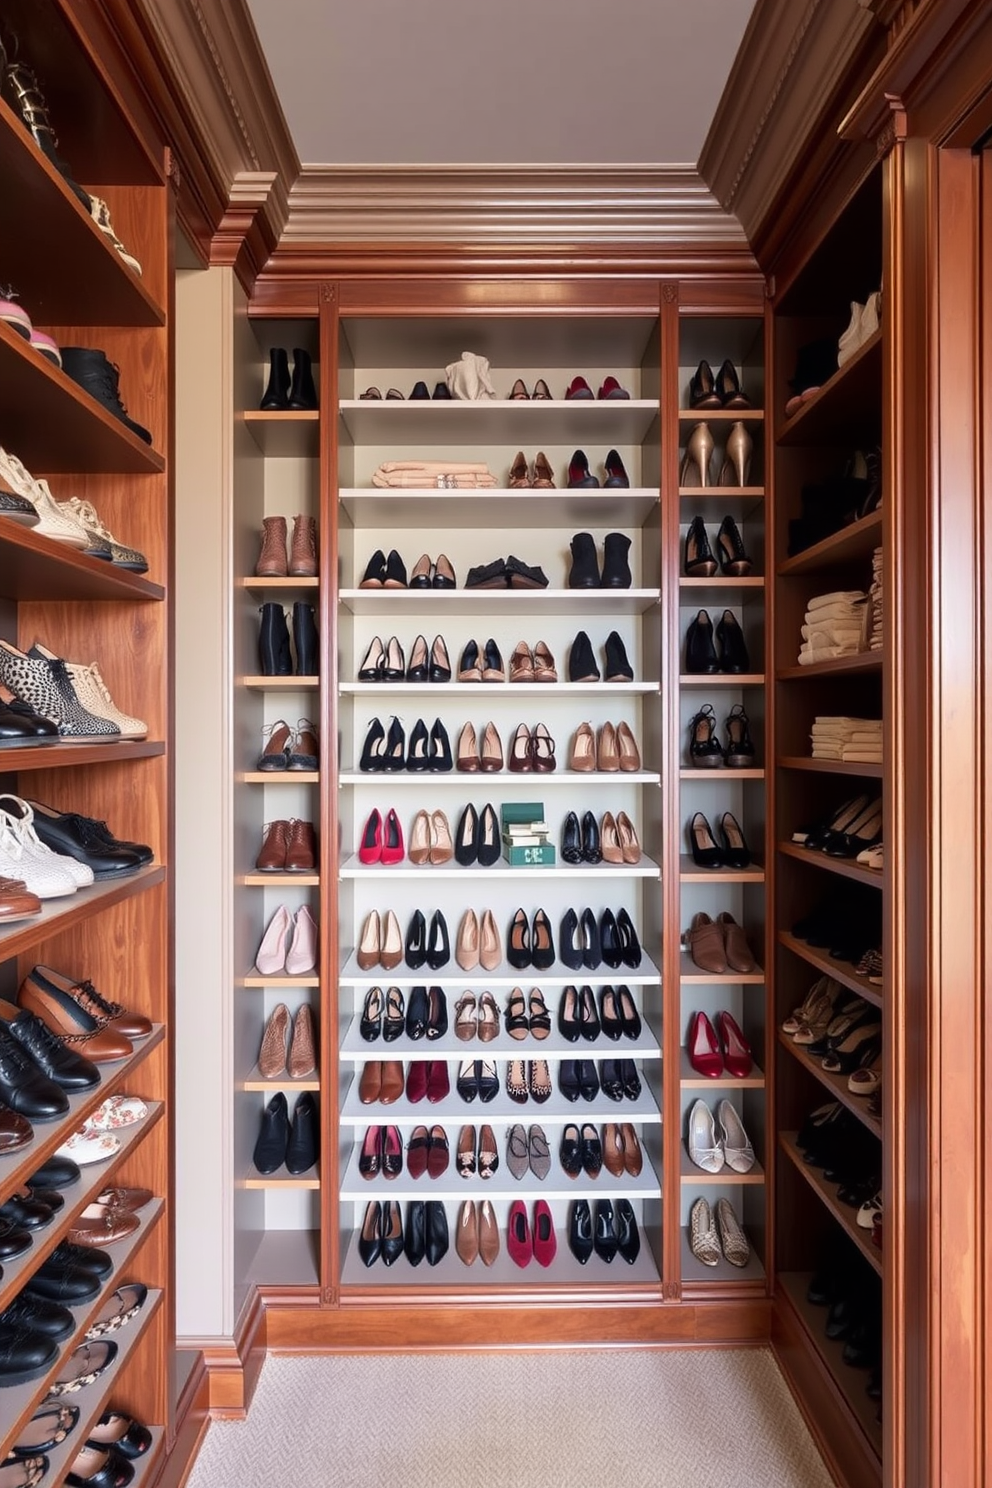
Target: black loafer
570	1152
273	1137
588	1079
611	1081
21	727
57	1172
90	1257
15	1239
70	1285
487	575
520	575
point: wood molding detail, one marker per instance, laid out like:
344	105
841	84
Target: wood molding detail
233	1369
479	205
794	59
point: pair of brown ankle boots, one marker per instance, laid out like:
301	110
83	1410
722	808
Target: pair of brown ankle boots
302	558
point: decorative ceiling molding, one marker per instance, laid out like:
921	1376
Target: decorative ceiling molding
791	66
495	205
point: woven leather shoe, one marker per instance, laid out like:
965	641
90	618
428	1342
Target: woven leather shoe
48	995
301	847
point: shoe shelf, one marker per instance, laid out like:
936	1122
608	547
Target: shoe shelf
20	1400
844	867
837	666
504	509
59	915
502	421
94	1178
256	1081
475	690
556	1111
852	543
502	976
691	976
826	1192
848	1382
286	1258
280	1180
38	397
280	880
93	1400
61	231
285	432
722	680
352	868
256	585
717	777
280	684
836	1084
721	415
696	1274
715	502
716	590
452	1188
278	777
256	979
842	971
845	411
691	1079
38	568
866	769
61	756
504	1280
464	778
689	1173
690	872
448	1046
438	604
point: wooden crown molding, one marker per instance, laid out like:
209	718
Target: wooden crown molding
482	205
788	74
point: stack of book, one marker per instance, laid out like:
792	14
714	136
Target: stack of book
525	835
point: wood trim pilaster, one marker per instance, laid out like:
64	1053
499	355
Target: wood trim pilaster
233	1368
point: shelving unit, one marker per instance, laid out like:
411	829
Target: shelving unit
76	287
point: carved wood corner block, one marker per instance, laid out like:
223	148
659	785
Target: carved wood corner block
896	128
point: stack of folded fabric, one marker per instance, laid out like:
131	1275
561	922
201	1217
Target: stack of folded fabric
835	625
865	743
875	596
832	737
416	475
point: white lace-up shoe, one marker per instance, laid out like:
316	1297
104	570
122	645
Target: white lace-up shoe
20	815
49	880
88	518
94	695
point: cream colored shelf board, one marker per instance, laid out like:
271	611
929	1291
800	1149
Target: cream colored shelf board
721	774
452	1188
382	780
691	1079
482	690
720	681
278	777
279	880
256	1081
427	602
689	1173
554	1112
691	976
279	684
255	979
356	1050
719	584
721	415
690	872
352	868
266	585
280	1180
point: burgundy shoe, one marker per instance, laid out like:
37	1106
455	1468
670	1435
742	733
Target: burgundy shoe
438	1085
416	1080
578	388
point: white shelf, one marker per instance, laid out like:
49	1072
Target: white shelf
502	421
352	868
521	690
556	1111
504	509
504	975
473	780
435	604
451	1187
356	1049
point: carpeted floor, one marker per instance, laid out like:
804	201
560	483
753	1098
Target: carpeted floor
664	1419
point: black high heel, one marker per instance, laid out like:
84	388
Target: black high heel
698	559
395	745
739	753
467	837
734	561
589	1025
592	850
609	936
705	853
702	388
490	845
417	670
700	652
395	577
394	667
438	944
582	661
542	942
733	652
374	749
440	749
375	571
728	387
440	664
569	942
373	663
630	946
592	941
492	663
417	760
736	853
416	941
618	667
704	746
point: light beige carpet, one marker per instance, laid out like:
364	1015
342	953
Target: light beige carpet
623	1418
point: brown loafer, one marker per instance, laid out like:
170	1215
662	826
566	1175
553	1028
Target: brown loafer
370	1082
705	942
737	950
100	1224
391	1082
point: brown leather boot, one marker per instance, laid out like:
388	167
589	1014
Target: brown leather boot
303	550
301	847
272	858
272	559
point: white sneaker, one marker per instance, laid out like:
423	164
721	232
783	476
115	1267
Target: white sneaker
86	515
20	815
100	213
47	880
94	695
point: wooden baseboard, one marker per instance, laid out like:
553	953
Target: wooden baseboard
192	1420
233	1369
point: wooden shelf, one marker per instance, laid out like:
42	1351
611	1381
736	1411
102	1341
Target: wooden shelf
61	230
280	880
256	979
849	1383
721	415
843	867
866	770
827	1194
38	397
691	1079
841	971
724	775
721	591
690	872
279	684
58	756
836	1084
847	409
281	1180
37	568
720	681
691	976
256	1081
291	432
505	509
451	602
852	543
59	915
504	421
278	777
837	666
689	1173
256	585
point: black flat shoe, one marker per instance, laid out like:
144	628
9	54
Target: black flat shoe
609	935
437	1014
415	953
467	837
569	1152
700	652
417	756
467	1080
568	1015
589	1025
440	757
733	652
415	1240
592	1150
487	575
630	1079
705	853
542	942
588	1079
604	1231
580	1230
568	1079
438	944
571	843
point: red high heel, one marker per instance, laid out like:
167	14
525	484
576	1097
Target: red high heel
545	1244
370	847
518	1234
393	850
736	1049
704	1049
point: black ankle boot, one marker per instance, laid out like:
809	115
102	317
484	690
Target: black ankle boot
277	391
584	572
581	661
97	375
305	638
302	394
273	642
618	668
616	569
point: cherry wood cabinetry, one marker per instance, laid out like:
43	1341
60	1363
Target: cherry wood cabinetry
74	285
